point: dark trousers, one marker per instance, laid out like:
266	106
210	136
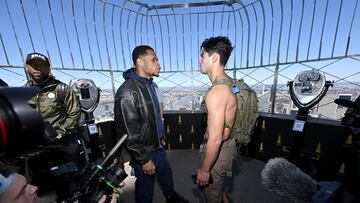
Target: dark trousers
144	185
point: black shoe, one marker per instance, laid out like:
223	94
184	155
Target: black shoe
176	198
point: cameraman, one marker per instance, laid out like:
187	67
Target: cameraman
351	120
14	188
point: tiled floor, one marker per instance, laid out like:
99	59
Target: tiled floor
246	185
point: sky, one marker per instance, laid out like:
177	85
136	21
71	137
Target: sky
88	35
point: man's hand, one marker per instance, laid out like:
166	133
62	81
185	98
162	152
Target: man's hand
149	168
114	196
202	177
113	199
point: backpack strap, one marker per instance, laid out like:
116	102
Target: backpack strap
223	81
231	85
60	93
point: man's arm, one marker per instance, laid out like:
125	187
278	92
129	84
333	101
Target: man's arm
126	120
216	106
72	114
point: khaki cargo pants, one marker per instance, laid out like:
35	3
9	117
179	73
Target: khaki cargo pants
213	193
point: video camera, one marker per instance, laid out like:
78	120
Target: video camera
22	134
97	179
21	126
352	115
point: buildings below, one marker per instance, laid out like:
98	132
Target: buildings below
176	99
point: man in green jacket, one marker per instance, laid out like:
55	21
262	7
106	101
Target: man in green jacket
60	108
56	102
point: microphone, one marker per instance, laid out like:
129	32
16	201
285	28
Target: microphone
288	181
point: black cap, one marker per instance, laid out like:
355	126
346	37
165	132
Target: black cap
38	56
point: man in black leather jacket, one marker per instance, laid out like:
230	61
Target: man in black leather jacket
137	113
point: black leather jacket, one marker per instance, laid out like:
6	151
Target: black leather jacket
135	115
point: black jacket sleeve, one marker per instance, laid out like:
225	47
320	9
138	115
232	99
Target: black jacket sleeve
127	120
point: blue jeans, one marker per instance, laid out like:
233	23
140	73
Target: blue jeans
144	185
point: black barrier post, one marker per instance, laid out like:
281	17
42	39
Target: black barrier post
93	134
298	135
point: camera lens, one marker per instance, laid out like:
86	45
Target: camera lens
7	126
115	175
21	126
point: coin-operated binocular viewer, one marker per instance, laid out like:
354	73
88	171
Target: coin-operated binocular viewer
306	90
88	95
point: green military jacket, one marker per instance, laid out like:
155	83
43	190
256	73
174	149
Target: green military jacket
63	115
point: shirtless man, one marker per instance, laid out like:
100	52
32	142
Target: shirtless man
220	104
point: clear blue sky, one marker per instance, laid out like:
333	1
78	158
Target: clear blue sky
171	58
